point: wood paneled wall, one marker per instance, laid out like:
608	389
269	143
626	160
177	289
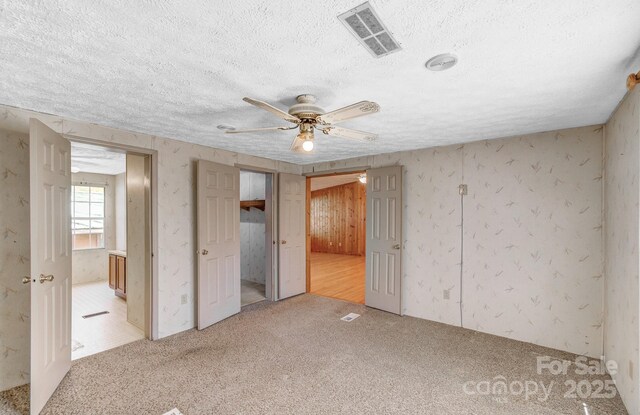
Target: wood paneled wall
338	219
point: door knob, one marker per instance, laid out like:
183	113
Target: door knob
26	280
205	252
44	278
396	246
283	242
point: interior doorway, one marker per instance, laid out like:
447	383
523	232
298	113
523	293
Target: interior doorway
256	241
111	245
336	243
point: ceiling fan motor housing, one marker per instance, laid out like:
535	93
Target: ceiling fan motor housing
306	131
306	109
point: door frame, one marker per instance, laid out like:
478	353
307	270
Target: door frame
309	176
271	228
151	326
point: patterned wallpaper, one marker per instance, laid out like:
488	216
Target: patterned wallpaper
432	217
532	236
175	211
93	264
252	228
120	203
532	244
622	166
533	239
136	199
176	215
14	260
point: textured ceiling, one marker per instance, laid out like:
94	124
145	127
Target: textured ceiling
88	158
180	68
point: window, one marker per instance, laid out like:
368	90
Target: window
87	217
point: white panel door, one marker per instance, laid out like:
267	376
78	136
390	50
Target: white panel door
292	253
218	255
50	207
384	239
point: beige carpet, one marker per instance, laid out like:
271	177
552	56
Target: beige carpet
15	401
298	357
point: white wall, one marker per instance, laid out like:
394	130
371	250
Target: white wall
121	211
252	228
175	252
622	168
14	259
532	236
93	264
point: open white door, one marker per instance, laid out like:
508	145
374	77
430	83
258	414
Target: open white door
50	191
384	239
291	220
218	255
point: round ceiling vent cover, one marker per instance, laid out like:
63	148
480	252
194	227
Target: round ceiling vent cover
441	62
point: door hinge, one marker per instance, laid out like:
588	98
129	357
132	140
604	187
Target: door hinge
462	189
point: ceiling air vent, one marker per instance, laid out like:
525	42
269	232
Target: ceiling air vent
366	26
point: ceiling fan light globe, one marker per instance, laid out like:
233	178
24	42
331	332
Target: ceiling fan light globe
307	145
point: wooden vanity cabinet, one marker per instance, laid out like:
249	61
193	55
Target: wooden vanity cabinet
118	275
113	263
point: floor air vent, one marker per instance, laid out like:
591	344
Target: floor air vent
95	314
366	26
350	317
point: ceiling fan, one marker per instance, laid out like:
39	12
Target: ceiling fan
308	117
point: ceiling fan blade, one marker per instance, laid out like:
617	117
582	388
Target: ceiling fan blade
352	111
348	133
253	130
268	107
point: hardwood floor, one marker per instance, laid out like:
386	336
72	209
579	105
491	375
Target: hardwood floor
338	276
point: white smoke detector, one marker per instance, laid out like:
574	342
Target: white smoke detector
441	62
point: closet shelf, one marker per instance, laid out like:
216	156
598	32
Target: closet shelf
248	204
